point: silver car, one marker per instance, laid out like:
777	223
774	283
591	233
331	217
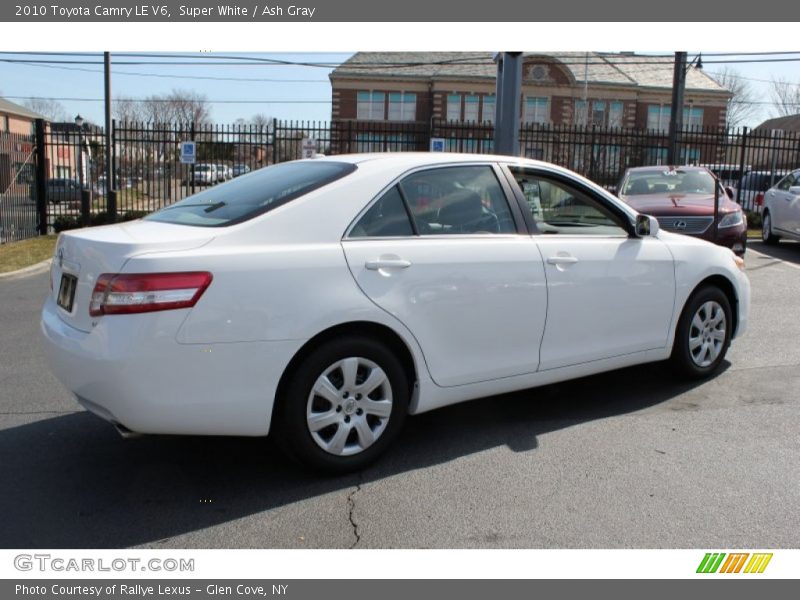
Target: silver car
781	216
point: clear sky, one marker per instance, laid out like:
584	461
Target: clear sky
279	91
240	91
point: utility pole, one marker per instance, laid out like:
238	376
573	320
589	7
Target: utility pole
509	92
676	110
111	192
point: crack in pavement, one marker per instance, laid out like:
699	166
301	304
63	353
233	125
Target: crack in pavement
351	507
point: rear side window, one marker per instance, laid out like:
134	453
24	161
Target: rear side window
386	218
249	196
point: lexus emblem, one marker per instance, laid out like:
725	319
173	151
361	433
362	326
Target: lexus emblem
680	225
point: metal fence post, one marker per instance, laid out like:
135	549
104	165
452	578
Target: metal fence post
275	141
41	177
742	161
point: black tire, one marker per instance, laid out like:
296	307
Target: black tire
683	359
766	230
290	427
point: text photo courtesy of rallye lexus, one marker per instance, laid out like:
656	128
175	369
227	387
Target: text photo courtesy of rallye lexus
321	301
683	200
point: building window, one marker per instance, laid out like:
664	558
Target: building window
615	114
4	121
692	117
371	105
690	156
454	107
658	117
537	110
472	105
488	109
402	106
656	156
581	116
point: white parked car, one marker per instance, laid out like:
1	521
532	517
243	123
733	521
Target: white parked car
781	214
321	301
206	174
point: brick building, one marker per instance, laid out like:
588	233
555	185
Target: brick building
558	89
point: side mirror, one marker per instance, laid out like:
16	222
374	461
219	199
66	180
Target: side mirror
646	226
729	192
795	190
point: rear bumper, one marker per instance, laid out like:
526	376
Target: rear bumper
129	370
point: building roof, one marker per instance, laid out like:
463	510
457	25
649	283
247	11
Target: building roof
626	69
790	123
11	108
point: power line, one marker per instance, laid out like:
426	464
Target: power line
193	77
167	100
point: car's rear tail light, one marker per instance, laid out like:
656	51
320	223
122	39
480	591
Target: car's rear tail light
760	199
116	294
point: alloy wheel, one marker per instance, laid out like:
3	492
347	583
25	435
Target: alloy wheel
707	333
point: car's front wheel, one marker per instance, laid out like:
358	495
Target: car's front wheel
766	230
344	404
703	334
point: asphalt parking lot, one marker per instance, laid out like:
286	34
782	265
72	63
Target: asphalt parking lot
629	459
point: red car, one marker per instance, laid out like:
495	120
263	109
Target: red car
682	199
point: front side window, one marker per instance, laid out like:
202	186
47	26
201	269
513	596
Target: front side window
246	197
558	208
786	182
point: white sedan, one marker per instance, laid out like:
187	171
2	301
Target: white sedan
321	301
781	214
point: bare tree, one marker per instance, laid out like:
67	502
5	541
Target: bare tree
261	120
53	110
785	97
179	106
742	105
128	111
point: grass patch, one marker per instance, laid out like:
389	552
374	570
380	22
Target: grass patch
18	255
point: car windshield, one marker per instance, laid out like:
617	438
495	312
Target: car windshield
668	181
246	197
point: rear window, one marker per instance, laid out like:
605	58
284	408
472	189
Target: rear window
249	196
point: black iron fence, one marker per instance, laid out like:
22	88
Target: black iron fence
56	179
18	214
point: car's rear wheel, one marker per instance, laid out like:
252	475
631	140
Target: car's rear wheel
766	230
344	404
703	334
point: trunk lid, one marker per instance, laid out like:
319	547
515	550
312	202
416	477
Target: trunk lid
82	255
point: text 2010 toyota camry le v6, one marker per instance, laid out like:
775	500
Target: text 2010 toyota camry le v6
323	300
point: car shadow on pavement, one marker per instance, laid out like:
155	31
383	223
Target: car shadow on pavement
71	482
786	251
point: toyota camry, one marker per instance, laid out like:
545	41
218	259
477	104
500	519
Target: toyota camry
322	301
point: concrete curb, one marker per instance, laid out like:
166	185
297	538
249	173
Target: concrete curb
33	269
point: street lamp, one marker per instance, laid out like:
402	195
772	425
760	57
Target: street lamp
81	180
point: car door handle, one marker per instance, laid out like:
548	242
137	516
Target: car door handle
561	260
387	263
